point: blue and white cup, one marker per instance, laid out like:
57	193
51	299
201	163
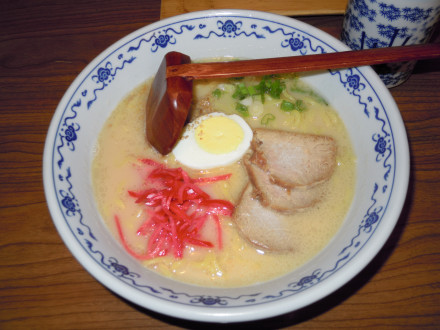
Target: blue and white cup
388	23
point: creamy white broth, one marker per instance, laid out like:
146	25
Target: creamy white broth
116	169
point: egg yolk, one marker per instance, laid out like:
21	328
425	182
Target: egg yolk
219	135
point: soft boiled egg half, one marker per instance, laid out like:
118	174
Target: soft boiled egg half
213	140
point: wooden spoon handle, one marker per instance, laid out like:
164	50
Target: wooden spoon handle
314	62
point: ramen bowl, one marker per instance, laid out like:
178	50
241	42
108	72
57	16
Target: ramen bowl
358	95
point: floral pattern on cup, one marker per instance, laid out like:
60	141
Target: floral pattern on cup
388	23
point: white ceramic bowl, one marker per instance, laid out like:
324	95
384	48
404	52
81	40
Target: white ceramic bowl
367	108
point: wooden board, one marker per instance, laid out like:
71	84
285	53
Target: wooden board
284	7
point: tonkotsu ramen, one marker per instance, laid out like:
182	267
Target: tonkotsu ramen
258	184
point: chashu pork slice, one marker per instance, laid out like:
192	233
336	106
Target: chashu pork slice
262	226
294	159
285	200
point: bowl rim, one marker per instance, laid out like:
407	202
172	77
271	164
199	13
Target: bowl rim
239	313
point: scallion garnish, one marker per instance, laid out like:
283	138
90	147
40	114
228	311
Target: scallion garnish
290	106
242	109
217	93
267	118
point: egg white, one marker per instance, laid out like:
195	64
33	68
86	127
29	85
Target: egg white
188	152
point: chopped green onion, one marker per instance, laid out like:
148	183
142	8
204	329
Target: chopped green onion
300	106
242	109
268	85
252	90
267	118
289	106
217	93
275	89
241	92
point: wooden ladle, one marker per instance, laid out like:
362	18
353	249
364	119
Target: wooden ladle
170	95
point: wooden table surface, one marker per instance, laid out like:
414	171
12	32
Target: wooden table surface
43	46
